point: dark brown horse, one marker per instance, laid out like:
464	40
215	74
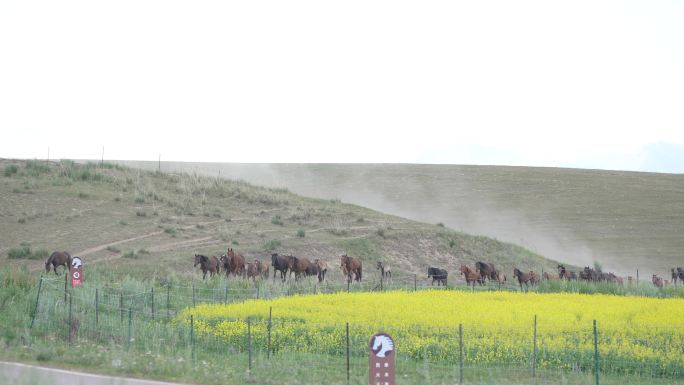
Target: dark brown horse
236	263
58	258
280	263
210	264
487	270
352	266
300	266
565	274
471	276
526	278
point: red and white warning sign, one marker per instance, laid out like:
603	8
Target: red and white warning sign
381	360
76	271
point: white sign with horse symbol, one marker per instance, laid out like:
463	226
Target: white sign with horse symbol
381	360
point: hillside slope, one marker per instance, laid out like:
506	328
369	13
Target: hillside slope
625	220
148	222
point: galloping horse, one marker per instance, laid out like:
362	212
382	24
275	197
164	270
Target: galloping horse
550	276
385	270
526	278
58	258
280	263
322	269
352	266
471	276
486	269
207	264
563	273
237	262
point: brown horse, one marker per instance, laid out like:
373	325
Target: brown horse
262	268
58	258
210	264
322	269
471	276
526	278
486	269
550	276
352	266
500	278
565	274
657	281
252	271
300	266
236	263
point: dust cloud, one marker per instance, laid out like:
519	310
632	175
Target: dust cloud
479	200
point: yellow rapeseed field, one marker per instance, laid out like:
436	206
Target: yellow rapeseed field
635	334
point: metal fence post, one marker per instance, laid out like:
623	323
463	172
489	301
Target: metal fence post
460	353
97	311
130	325
35	309
596	358
534	349
168	303
347	352
270	326
70	320
192	336
249	343
121	304
152	293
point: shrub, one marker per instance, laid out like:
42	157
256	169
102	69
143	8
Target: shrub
277	221
272	245
113	249
131	254
440	224
82	195
301	233
37	167
139	199
11	169
170	231
39	253
381	232
141	213
19	252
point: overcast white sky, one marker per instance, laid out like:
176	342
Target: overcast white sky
596	84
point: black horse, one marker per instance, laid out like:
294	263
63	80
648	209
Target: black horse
280	263
439	275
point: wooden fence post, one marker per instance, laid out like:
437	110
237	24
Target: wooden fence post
97	311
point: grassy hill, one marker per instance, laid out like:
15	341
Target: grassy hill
144	222
624	220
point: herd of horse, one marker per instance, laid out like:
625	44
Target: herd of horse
233	263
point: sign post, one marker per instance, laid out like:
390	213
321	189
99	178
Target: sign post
76	271
381	360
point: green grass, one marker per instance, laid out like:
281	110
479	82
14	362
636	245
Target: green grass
162	348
